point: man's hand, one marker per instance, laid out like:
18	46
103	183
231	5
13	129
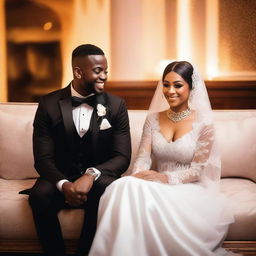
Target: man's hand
151	175
72	197
83	185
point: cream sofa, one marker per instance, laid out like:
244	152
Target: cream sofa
236	134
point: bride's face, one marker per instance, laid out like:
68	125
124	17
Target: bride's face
176	91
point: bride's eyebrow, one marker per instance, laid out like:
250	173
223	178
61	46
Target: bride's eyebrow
178	81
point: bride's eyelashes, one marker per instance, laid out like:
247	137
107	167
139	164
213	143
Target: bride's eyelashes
175	86
178	85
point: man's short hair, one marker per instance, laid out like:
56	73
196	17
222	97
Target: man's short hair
85	50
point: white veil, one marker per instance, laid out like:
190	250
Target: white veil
198	101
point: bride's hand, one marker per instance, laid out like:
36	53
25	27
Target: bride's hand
151	175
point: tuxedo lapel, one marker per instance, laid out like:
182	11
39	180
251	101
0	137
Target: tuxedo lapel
96	121
94	129
66	111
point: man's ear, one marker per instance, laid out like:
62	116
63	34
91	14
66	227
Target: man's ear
77	72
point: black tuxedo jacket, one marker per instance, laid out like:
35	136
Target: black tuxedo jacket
53	137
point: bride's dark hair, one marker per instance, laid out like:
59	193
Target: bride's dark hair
182	68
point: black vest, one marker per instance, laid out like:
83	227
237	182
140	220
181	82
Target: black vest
81	155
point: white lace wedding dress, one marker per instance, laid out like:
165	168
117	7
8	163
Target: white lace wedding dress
146	218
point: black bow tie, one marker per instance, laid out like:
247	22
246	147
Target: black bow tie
76	101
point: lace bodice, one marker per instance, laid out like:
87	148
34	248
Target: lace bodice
182	160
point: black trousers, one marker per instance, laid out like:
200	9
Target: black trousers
46	201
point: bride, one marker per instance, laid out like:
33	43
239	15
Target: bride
174	208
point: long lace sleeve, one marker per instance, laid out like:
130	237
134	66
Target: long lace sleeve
200	159
143	161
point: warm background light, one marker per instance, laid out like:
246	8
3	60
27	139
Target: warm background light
137	37
212	34
47	26
159	68
183	29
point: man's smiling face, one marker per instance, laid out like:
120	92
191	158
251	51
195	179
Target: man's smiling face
92	70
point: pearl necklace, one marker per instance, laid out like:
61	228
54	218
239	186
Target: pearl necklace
178	116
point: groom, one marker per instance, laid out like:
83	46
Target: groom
81	143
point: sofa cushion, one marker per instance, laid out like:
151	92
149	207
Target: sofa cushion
16	220
242	193
16	157
236	136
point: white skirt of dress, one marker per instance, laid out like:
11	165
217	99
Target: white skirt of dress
145	218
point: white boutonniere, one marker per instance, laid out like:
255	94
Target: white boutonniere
101	110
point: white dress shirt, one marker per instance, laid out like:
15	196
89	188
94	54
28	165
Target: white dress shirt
81	117
81	114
